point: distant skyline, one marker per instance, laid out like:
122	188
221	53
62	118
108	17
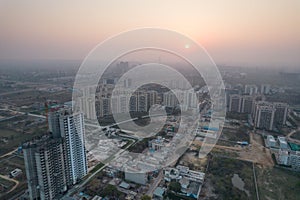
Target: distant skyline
250	33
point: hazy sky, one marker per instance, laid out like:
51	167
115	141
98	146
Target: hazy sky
234	32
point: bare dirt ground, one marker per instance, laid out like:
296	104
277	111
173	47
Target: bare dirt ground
257	153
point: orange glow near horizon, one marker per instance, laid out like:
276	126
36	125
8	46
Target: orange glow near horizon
227	29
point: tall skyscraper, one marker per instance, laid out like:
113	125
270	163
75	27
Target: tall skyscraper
142	102
45	168
247	104
265	89
169	99
71	130
264	118
280	113
103	106
88	105
228	93
251	89
267	112
152	98
235	103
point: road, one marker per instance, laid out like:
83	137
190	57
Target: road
155	183
217	146
291	133
23	113
255	182
9	153
10	179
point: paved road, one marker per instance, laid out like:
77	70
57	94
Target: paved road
155	183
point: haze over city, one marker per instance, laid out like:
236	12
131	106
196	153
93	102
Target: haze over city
150	100
251	33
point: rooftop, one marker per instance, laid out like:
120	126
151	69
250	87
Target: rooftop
159	192
294	147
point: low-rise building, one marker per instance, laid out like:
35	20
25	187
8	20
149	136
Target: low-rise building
136	177
191	181
271	142
159	193
282	143
16	172
283	157
156	144
294	160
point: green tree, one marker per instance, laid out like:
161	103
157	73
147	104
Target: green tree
175	186
110	190
145	197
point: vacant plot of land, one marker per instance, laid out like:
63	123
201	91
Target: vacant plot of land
191	160
9	163
16	131
220	173
11	139
235	134
275	183
237	116
5	186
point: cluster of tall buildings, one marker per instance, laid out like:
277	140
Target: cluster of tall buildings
185	98
241	103
268	115
139	101
265	115
57	160
109	100
248	89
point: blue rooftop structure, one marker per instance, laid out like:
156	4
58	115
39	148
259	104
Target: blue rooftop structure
210	128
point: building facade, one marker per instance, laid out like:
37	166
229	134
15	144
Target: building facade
70	127
45	168
264	117
235	101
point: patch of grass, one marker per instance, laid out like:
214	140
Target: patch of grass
278	183
97	167
235	134
174	196
5	185
220	172
140	146
237	116
129	142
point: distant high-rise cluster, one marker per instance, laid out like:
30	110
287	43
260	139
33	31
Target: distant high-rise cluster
265	115
58	160
251	89
139	101
185	98
241	103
